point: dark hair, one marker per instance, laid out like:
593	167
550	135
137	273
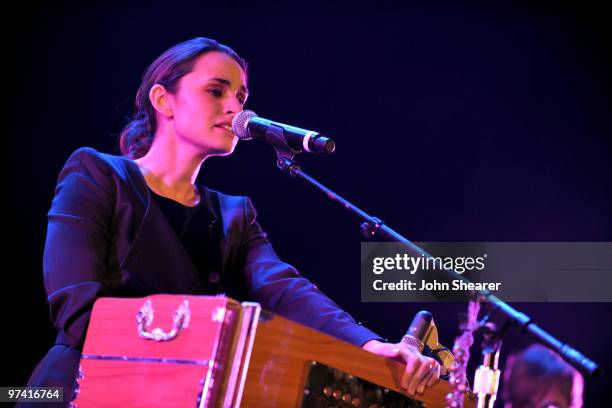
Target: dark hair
536	370
137	136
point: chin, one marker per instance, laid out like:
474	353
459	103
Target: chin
223	149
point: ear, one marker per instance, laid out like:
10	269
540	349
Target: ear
161	100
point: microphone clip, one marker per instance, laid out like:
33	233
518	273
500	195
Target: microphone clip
423	335
438	352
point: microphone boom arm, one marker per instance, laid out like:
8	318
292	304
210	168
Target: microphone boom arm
372	226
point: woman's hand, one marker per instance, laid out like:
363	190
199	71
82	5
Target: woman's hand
420	371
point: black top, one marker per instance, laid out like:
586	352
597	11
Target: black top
194	227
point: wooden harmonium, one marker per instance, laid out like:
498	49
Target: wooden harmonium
202	351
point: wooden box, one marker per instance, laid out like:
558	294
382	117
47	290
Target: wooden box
120	368
225	354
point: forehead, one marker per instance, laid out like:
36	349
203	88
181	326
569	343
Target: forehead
217	64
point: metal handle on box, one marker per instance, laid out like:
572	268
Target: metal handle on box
144	319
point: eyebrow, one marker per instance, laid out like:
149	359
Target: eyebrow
228	83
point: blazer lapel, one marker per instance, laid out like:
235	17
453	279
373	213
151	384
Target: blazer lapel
156	257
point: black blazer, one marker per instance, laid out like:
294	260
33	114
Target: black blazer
107	237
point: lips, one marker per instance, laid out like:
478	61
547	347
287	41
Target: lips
225	126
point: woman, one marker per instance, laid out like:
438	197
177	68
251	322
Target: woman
137	224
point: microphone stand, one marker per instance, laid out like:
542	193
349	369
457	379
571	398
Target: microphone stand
373	226
486	378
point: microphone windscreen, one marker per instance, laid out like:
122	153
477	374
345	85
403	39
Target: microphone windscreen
240	122
418	330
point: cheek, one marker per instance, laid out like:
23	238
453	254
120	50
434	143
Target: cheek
196	113
198	104
208	113
196	118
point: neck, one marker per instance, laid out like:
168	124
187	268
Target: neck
170	169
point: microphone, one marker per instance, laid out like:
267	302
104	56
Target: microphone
247	125
423	335
419	330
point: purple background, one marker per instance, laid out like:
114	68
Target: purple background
452	123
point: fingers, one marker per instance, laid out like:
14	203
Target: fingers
412	366
420	372
420	377
434	375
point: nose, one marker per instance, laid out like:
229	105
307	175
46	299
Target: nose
233	105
